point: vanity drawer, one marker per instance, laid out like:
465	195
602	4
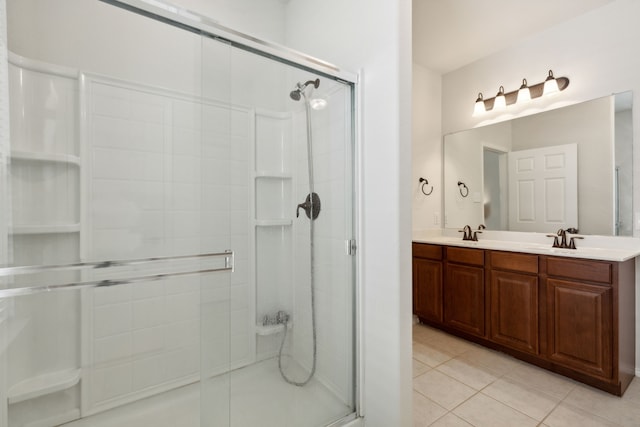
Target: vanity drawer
592	271
525	263
422	250
465	256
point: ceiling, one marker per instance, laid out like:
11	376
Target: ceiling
448	34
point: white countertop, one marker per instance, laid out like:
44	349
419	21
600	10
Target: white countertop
592	247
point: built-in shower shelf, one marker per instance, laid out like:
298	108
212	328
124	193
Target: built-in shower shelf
43	385
272	175
273	222
37	156
46	229
264	330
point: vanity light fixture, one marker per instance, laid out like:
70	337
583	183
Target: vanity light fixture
524	94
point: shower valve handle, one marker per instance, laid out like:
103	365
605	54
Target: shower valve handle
304	206
310	203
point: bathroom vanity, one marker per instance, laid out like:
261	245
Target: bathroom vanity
571	312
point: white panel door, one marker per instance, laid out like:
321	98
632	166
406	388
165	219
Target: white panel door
543	188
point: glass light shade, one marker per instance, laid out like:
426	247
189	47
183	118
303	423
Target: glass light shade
500	102
524	94
479	108
550	84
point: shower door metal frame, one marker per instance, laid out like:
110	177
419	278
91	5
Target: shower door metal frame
200	24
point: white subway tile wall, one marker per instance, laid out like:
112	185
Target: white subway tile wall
168	175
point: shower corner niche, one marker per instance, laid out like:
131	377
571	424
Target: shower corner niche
45	184
45	151
272	215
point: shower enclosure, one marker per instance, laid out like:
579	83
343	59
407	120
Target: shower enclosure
176	223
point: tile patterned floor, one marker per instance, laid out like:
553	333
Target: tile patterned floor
458	383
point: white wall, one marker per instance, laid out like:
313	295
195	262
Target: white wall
380	47
426	155
263	19
463	153
598	51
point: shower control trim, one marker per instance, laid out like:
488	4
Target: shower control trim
312	202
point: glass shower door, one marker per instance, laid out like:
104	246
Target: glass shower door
292	339
117	221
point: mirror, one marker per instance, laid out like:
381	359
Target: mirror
569	167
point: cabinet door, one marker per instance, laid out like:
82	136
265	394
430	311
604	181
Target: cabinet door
580	326
464	298
427	289
514	310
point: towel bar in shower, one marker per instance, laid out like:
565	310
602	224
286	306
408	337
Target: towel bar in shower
29	290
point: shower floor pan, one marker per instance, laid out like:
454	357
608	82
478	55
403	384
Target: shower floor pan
259	397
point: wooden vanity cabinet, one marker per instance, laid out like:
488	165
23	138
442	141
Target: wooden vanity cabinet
514	300
464	290
591	319
573	316
427	282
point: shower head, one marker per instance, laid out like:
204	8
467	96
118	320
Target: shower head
300	87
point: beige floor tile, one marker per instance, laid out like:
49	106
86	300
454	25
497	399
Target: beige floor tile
542	380
425	411
428	355
451	420
443	390
623	410
499	363
483	411
517	394
452	345
531	402
419	368
425	334
567	416
468	373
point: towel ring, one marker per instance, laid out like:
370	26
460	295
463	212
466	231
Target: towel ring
462	186
425	182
